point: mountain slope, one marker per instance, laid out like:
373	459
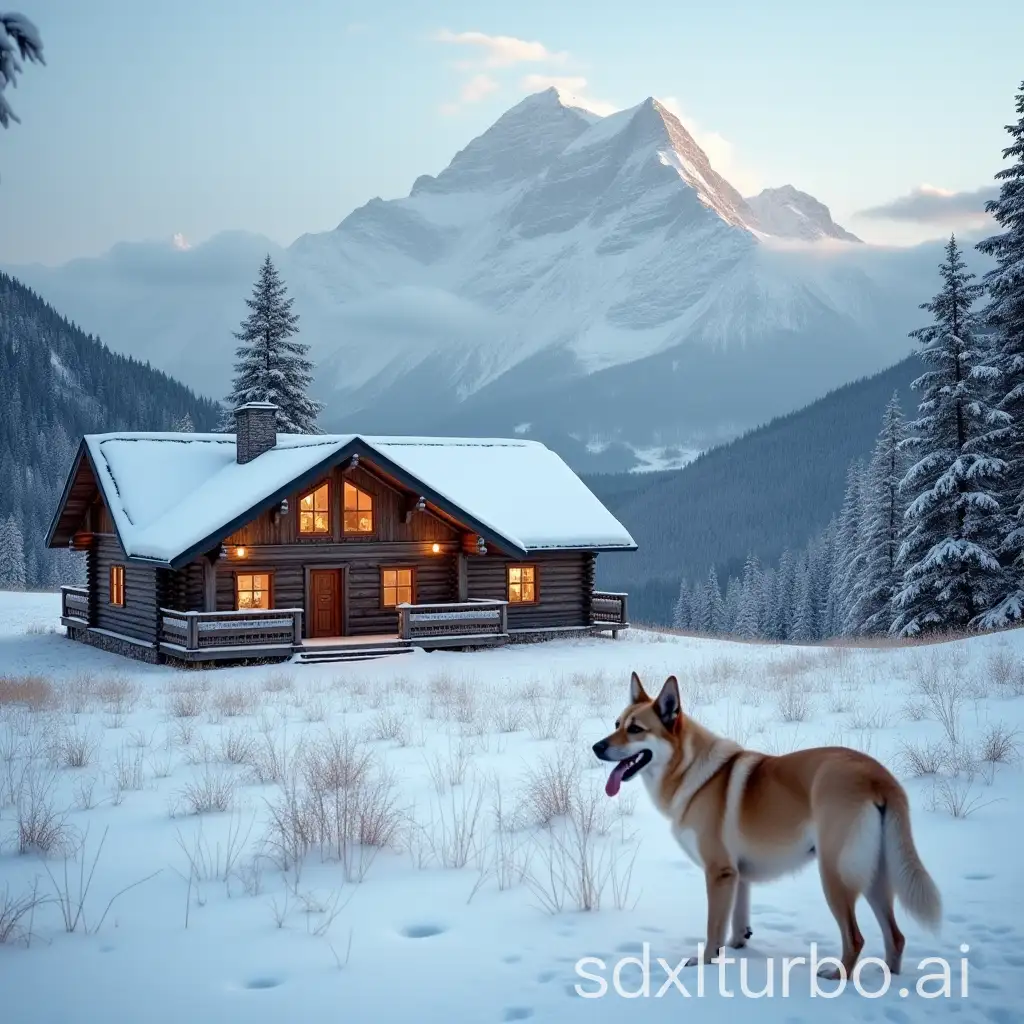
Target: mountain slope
768	490
56	384
567	275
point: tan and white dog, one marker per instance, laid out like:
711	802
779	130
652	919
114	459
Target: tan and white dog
746	817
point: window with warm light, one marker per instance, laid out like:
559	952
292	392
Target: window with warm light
252	591
522	584
116	585
396	586
315	511
358	510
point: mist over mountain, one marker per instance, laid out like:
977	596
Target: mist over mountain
589	281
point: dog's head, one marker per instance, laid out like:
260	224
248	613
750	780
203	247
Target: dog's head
646	733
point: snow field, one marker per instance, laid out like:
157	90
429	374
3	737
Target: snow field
428	835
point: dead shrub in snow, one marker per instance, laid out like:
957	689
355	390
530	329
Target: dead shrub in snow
188	700
32	692
17	912
1007	672
73	747
869	716
956	796
278	682
129	770
336	798
390	726
944	689
794	703
212	788
508	716
450	770
998	745
550	788
118	695
77	694
234	701
451	834
577	864
237	746
923	759
42	827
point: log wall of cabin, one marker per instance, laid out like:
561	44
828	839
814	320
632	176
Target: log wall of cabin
564	584
142	591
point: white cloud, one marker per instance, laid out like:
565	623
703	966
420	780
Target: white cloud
500	51
473	91
720	151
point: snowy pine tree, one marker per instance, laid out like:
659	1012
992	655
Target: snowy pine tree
951	573
804	628
733	590
847	548
18	38
682	613
878	576
12	555
748	615
271	366
1004	315
184	425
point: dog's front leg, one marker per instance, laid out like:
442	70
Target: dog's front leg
741	916
721	881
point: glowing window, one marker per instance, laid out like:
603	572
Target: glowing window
315	511
252	590
522	584
396	587
358	510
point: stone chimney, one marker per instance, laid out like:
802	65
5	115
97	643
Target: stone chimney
255	430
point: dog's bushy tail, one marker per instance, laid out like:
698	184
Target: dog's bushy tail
914	887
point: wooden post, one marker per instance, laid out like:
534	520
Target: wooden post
296	627
193	630
503	620
209	585
404	625
462	573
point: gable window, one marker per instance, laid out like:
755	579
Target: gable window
396	586
252	590
116	586
358	510
522	584
315	511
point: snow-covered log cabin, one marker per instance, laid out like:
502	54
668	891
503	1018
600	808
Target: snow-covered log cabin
219	547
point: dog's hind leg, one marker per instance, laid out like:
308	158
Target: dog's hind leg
842	901
741	916
879	897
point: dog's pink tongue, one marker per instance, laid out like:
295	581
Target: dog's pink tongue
611	787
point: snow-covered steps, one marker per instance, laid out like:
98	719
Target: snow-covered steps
348	653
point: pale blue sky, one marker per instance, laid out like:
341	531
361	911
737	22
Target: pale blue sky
153	118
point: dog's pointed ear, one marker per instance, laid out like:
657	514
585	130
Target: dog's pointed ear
668	704
637	693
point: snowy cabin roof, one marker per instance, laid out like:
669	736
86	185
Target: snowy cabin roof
173	495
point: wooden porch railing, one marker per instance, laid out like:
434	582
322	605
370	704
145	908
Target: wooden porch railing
198	631
74	603
457	618
608	610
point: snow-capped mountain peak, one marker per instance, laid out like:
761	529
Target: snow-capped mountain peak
589	274
786	212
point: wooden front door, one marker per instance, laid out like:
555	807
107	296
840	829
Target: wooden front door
325	601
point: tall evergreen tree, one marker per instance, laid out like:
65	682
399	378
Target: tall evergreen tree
272	367
951	572
804	627
748	616
1004	315
13	570
879	577
682	613
847	547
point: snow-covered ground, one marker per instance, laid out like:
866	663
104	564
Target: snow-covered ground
462	765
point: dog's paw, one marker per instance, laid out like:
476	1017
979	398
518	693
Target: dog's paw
829	973
748	933
738	941
692	962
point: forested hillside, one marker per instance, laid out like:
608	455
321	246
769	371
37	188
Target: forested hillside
57	383
767	491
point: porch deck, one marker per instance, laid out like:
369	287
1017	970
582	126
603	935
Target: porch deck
277	633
